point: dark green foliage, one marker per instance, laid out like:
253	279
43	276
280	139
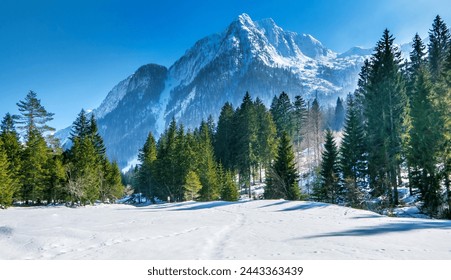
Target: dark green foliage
91	176
207	166
223	143
266	145
13	150
246	140
229	189
145	176
352	155
300	114
7	185
329	189
282	112
424	139
282	180
439	41
385	109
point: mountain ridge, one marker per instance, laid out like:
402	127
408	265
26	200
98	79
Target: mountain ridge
255	56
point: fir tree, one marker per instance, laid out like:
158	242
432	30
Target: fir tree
266	145
229	190
245	122
330	189
385	109
439	41
339	115
299	120
424	140
282	112
13	150
352	155
7	188
223	144
282	180
147	156
207	166
192	186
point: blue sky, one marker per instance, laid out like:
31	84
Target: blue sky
73	52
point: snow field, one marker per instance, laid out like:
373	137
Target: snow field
248	230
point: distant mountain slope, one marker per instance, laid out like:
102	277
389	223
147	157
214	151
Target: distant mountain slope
255	56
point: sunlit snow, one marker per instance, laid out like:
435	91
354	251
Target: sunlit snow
271	229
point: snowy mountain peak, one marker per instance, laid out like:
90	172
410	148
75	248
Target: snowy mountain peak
255	56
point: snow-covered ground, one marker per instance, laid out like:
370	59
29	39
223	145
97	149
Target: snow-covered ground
263	229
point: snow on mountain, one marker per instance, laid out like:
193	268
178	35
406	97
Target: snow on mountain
218	230
255	56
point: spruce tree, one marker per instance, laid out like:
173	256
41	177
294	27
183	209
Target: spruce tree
147	156
330	189
223	139
282	180
245	122
424	142
7	184
282	112
229	190
192	186
13	150
352	155
207	167
385	112
299	121
439	43
339	115
266	145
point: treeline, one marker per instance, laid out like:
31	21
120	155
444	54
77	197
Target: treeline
397	127
35	170
249	144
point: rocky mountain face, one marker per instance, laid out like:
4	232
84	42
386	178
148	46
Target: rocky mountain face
254	56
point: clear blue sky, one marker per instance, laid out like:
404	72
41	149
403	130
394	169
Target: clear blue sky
73	52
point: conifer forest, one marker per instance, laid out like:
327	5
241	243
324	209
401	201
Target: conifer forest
393	131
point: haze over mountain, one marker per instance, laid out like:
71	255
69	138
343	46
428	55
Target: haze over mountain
254	56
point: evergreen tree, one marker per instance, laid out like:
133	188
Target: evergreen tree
299	120
34	171
315	129
441	100
13	150
96	139
282	180
223	144
207	165
385	108
80	127
7	184
33	116
439	41
229	190
330	189
245	122
339	115
352	155
147	156
112	187
282	112
266	146
192	186
424	140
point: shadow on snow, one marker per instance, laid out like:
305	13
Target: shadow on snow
387	228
